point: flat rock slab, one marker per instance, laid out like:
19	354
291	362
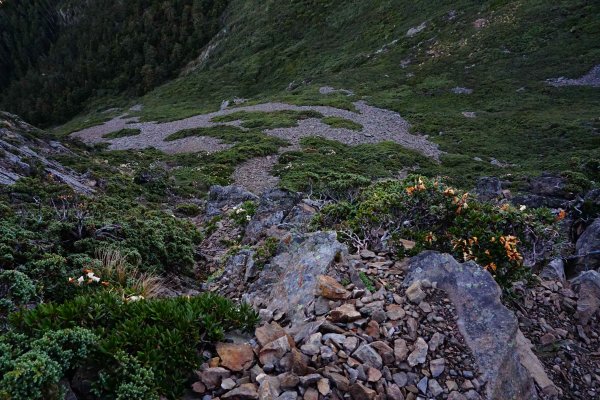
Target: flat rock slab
488	327
289	282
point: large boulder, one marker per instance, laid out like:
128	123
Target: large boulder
588	247
289	282
488	327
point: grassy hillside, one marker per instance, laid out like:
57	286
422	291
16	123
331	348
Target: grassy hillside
502	50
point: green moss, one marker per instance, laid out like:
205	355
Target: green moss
337	122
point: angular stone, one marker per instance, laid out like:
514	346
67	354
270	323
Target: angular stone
212	377
436	340
454	395
350	343
367	254
400	379
394	392
289	395
369	356
373	375
437	367
385	351
434	388
415	294
274	351
269	388
228	384
338	380
330	288
372	329
344	313
419	353
323	386
400	350
312	345
487	326
236	357
288	380
360	392
198	387
311	394
309	380
395	312
422	385
247	391
268	333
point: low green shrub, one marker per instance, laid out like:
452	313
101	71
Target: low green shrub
243	213
163	336
441	218
31	369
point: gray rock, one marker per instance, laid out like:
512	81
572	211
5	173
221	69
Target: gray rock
289	395
588	247
274	206
226	196
488	327
488	188
554	271
419	353
369	356
588	303
289	281
422	385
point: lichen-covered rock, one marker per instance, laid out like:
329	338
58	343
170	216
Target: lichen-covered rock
587	246
289	282
588	286
488	327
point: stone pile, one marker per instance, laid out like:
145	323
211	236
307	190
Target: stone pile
391	343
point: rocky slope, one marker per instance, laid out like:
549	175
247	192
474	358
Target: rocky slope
25	151
369	326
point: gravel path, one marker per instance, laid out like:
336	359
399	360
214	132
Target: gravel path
592	79
378	125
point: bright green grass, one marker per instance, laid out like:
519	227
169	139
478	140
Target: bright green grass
338	122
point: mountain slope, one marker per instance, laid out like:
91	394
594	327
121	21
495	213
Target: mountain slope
472	76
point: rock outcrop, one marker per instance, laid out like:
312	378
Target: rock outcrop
489	328
25	149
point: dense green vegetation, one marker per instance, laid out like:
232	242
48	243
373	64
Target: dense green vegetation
130	349
438	217
504	59
57	54
95	270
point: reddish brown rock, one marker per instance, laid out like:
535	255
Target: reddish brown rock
330	288
236	357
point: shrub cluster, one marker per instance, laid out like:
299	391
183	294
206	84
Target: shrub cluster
137	349
442	218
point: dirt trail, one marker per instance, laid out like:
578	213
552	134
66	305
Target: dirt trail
378	125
